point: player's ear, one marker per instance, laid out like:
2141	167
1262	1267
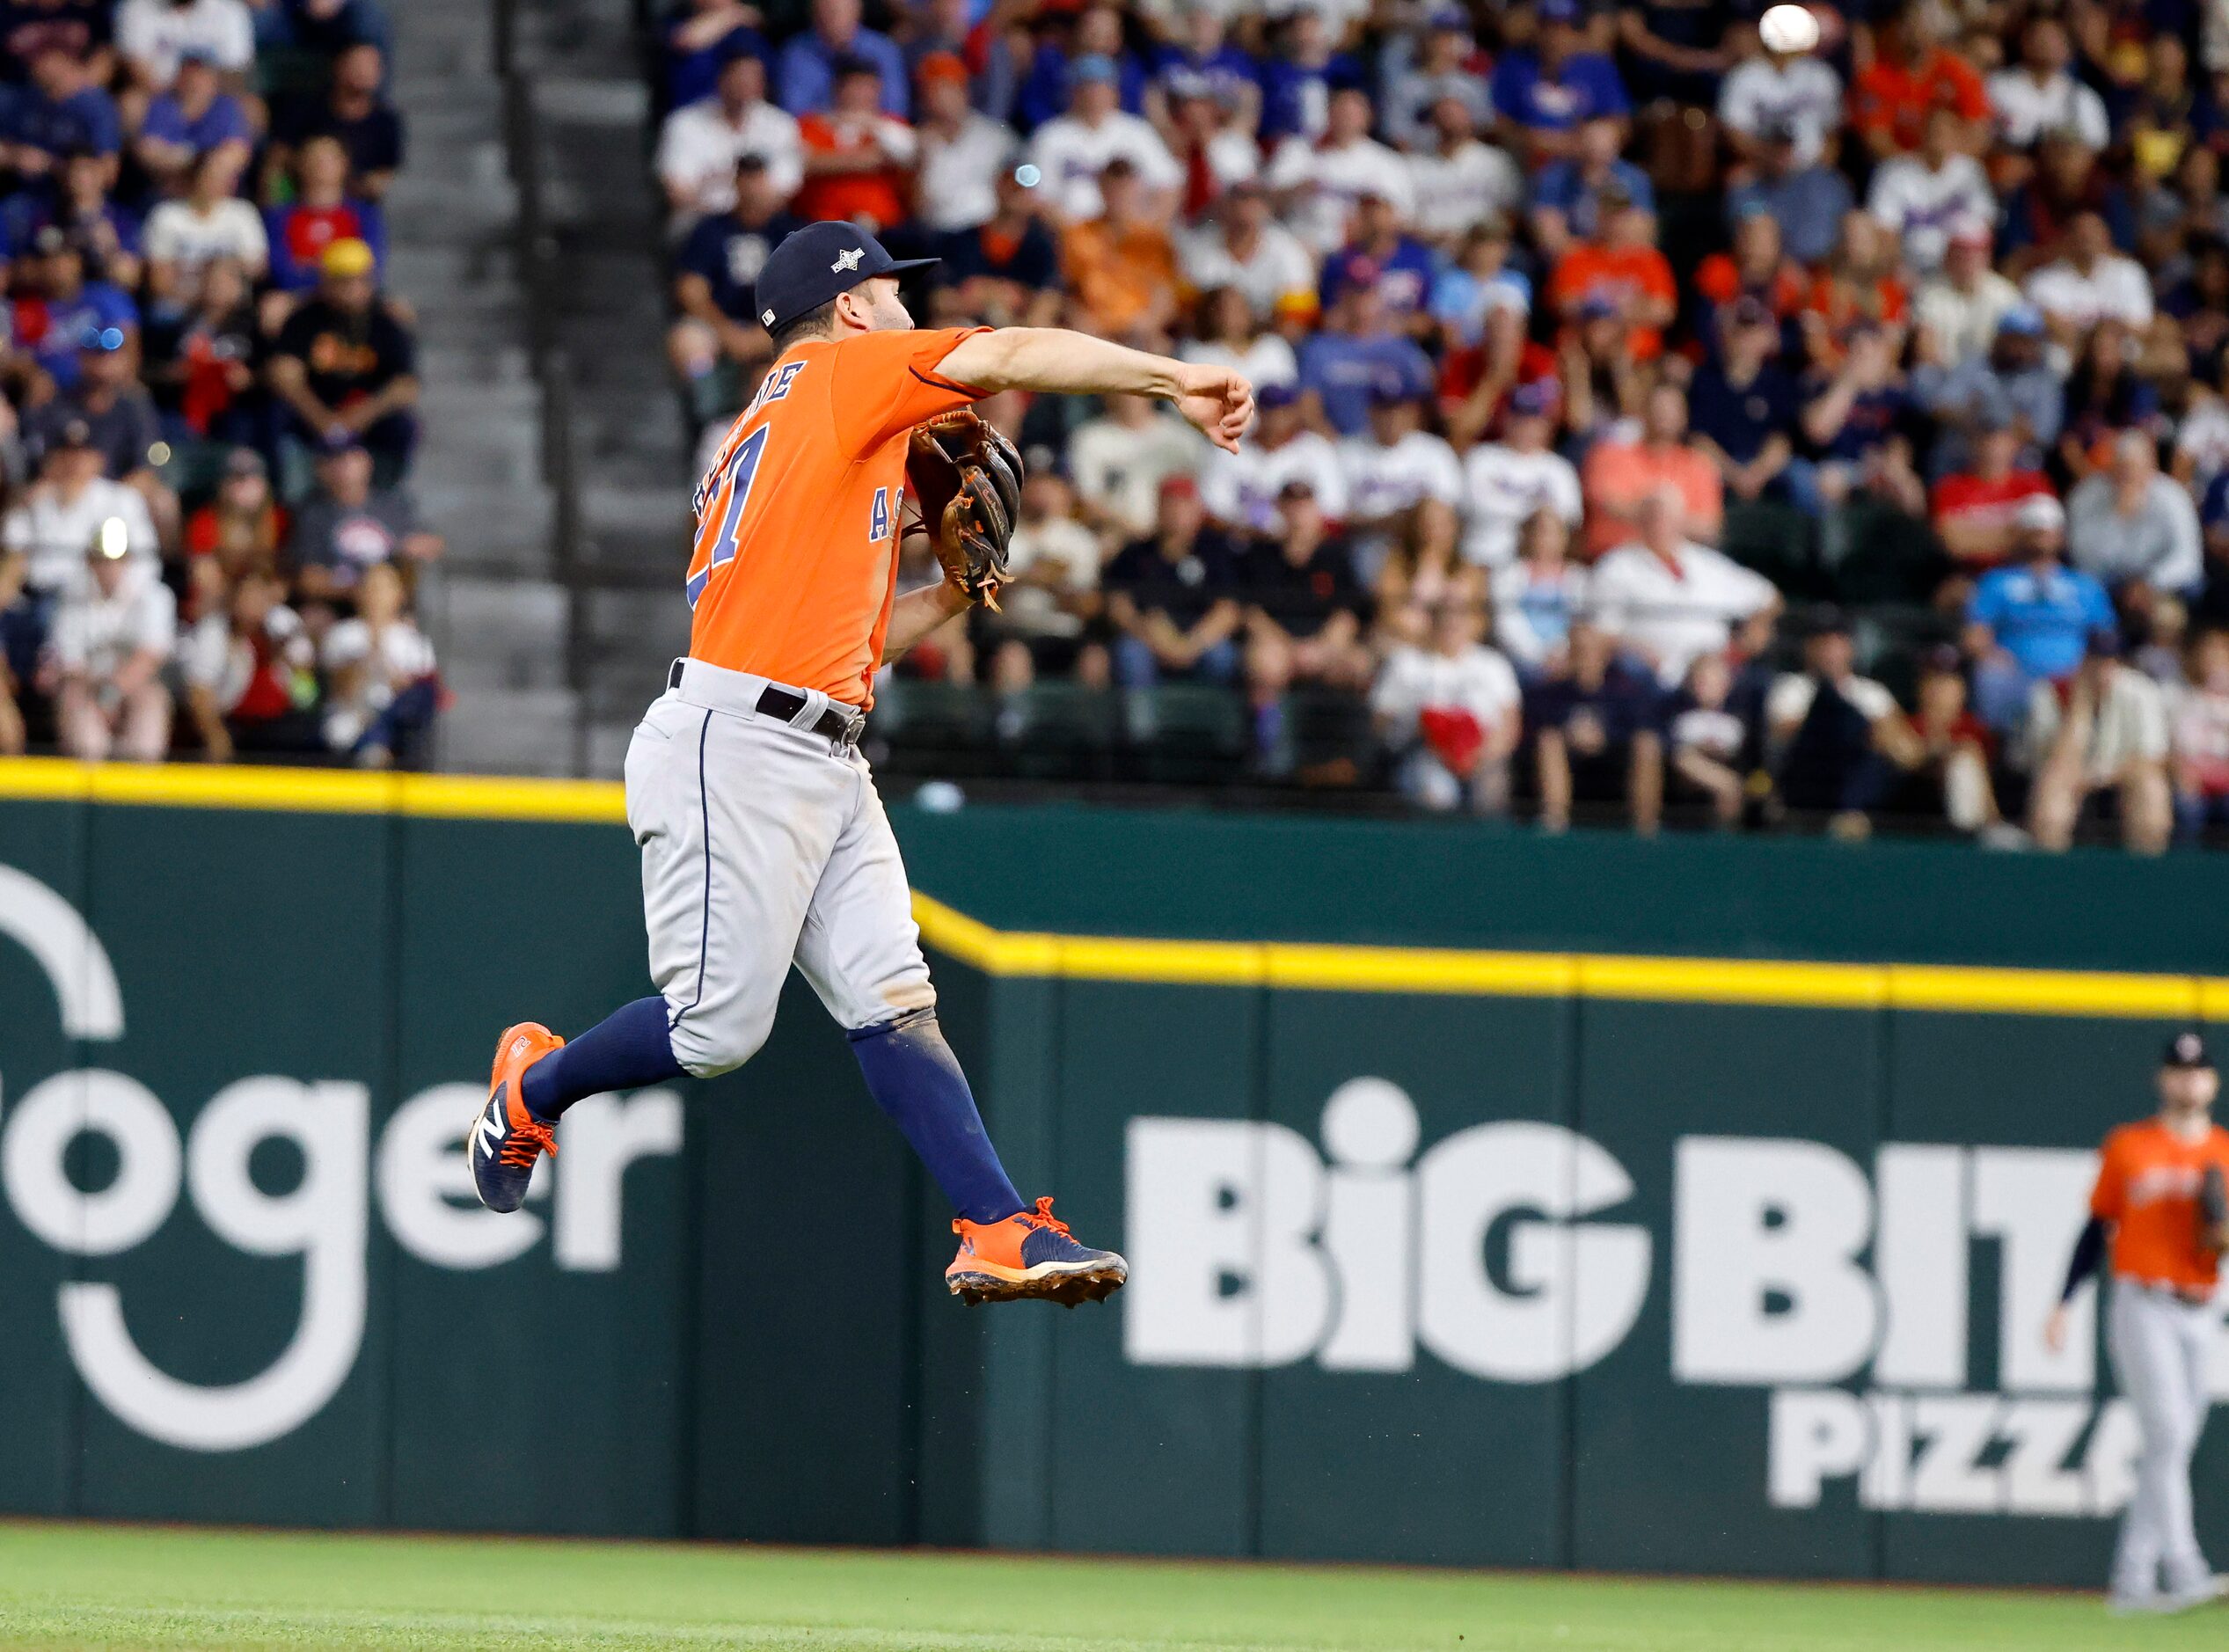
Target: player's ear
855	308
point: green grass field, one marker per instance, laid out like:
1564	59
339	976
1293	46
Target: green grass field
91	1586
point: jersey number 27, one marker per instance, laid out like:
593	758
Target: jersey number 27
740	470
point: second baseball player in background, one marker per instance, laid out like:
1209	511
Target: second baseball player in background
2162	1207
763	840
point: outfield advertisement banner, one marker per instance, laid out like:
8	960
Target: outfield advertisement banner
1535	1258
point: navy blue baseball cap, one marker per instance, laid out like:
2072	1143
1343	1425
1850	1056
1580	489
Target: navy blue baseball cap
814	263
2186	1050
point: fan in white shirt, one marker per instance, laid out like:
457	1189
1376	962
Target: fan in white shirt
2092	283
1052	567
962	152
370	662
1072	151
2041	97
1504	482
1228	338
1960	309
1251	250
184	236
60	514
113	630
1924	197
1460	181
1776	92
116	608
1669	599
699	143
154	34
1397	464
1119	460
1320	182
1240	489
1454	675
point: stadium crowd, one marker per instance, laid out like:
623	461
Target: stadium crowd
206	396
1648	421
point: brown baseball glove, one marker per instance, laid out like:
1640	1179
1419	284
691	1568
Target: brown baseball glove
968	478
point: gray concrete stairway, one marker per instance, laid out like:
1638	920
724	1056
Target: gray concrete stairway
550	662
497	613
629	449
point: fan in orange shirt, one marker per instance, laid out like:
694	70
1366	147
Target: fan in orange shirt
856	157
1622	275
1618	476
1911	75
2162	1200
1122	264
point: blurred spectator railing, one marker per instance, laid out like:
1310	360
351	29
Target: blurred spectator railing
537	252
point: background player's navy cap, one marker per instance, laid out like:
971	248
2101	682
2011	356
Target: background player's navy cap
814	263
2186	1049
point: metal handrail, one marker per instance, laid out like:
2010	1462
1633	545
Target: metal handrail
535	247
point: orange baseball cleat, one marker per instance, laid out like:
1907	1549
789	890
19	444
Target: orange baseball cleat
1030	1254
505	1139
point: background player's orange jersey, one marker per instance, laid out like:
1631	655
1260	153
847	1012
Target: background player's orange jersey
797	522
2147	1187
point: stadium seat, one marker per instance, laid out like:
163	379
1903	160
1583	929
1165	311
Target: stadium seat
1184	734
1057	731
1777	541
1330	738
932	728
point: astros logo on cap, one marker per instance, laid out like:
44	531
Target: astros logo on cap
847	261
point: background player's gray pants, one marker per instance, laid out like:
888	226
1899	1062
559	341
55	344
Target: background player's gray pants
763	844
2159	1345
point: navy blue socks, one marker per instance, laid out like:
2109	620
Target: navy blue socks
625	1050
910	1069
917	1080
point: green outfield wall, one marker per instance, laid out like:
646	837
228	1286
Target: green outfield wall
1689	1205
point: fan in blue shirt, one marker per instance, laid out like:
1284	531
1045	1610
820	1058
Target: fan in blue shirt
1355	355
62	110
1555	86
2031	620
1297	85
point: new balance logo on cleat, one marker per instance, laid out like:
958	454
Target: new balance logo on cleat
505	1139
491	1127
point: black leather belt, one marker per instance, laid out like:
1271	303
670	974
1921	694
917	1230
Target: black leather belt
829	724
783	705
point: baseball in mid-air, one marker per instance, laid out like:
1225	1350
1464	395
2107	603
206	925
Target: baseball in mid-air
1788	28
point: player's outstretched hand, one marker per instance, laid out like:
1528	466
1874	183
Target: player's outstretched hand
1217	402
2055	1330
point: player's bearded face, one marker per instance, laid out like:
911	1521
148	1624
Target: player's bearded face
886	312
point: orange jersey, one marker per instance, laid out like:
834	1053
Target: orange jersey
797	522
2147	1187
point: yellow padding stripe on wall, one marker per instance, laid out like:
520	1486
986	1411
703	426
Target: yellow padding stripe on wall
1321	967
1336	969
311	791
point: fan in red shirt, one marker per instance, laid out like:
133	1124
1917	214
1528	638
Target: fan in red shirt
1911	76
1973	508
857	159
322	213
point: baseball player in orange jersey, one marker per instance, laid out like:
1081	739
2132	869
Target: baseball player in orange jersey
764	842
2160	1200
